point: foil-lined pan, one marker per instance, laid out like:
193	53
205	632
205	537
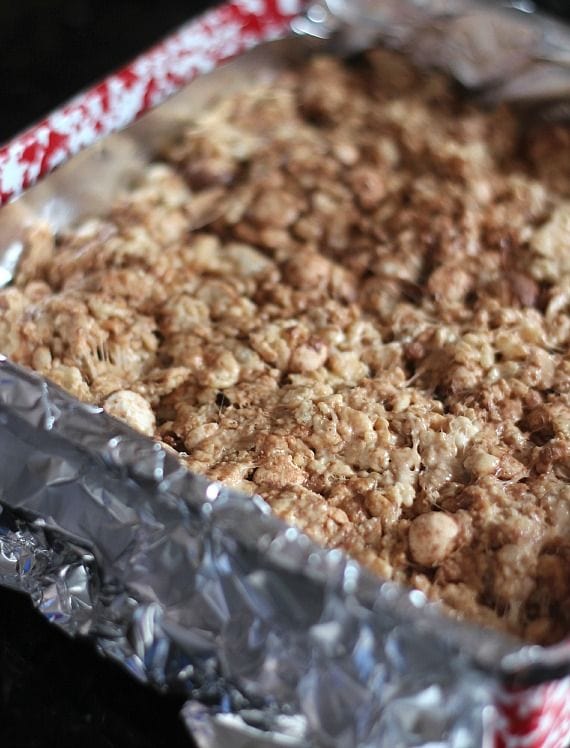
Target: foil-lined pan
196	588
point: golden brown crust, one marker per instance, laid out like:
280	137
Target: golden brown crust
359	312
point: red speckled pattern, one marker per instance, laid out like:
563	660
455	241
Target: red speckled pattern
537	717
117	101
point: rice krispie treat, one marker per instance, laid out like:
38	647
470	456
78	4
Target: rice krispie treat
347	291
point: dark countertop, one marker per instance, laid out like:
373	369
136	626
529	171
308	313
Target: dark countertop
57	691
54	690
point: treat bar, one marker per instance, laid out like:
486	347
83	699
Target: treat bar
356	310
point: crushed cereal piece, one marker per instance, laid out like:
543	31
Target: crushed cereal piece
432	538
133	409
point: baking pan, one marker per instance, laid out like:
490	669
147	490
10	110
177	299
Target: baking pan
192	586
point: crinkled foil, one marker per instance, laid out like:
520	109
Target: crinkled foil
501	48
196	588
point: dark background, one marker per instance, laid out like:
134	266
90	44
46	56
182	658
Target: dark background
51	49
55	691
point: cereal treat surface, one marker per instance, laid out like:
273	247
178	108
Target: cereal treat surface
348	292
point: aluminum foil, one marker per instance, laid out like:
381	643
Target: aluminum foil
196	588
504	50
